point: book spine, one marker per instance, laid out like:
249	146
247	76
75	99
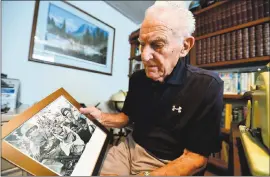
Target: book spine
233	13
255	9
259	40
208	50
219	20
252	44
222	47
217	48
233	45
228	46
204	51
206	23
266	39
260	8
197	26
239	13
245	43
210	23
223	18
214	20
239	44
228	116
249	10
199	52
213	49
244	11
228	16
266	8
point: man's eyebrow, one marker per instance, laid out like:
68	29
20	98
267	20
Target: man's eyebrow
158	39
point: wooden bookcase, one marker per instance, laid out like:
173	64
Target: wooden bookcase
220	14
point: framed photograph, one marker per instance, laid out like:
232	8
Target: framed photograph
53	138
65	35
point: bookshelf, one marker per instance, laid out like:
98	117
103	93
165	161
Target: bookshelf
232	96
237	33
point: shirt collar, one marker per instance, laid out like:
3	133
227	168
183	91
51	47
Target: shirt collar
178	74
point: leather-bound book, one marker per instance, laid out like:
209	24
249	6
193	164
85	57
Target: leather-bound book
260	8
259	40
228	16
228	46
233	45
245	43
266	5
244	11
199	52
239	12
219	19
208	50
249	10
204	51
239	44
222	47
255	9
252	42
266	39
217	48
233	13
213	49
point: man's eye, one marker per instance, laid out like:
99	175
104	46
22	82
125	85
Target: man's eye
157	46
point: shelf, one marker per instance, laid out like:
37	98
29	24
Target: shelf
232	96
210	7
235	62
245	25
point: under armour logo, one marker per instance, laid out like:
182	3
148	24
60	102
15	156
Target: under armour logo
178	109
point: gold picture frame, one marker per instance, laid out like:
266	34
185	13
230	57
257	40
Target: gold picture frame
70	141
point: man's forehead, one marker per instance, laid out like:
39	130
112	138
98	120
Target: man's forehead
154	31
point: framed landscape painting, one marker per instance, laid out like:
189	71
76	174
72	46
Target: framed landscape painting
65	35
53	138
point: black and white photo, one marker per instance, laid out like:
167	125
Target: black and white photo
55	137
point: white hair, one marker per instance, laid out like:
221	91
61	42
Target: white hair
184	22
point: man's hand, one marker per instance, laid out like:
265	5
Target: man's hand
108	120
91	112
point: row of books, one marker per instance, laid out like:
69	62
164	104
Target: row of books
238	83
240	44
231	14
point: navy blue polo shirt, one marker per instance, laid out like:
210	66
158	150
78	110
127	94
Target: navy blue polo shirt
182	112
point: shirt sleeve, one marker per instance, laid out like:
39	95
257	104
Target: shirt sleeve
127	109
203	134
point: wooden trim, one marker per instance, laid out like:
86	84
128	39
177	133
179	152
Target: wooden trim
210	7
233	62
248	24
232	96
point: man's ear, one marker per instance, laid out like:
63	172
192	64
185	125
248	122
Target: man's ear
188	44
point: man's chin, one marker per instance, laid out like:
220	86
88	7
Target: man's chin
154	77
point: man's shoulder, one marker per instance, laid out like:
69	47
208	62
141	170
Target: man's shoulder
199	73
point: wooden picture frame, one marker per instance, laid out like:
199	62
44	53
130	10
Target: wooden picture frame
65	35
53	138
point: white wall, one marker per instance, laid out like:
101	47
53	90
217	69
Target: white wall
39	80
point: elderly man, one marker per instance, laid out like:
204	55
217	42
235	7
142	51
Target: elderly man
176	108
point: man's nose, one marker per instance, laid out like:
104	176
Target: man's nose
147	54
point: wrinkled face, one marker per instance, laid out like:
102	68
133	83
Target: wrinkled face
160	49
